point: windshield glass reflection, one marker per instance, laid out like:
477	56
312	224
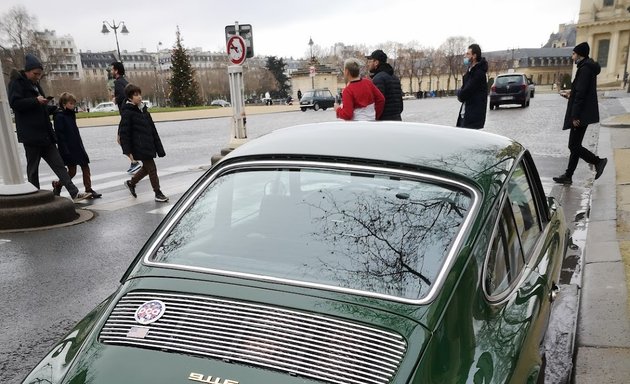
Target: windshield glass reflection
379	233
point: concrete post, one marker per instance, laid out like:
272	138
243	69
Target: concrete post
12	178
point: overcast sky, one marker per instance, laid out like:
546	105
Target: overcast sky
283	28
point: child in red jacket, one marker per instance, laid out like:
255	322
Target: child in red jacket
361	100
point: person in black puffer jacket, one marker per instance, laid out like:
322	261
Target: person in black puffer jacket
474	91
383	77
139	138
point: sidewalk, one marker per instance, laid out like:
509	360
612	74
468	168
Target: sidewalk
191	115
602	347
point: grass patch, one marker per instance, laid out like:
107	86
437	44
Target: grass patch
87	115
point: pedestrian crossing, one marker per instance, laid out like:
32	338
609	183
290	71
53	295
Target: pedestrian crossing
174	181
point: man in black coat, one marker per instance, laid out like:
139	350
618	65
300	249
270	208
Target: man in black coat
383	77
34	130
582	110
474	91
120	82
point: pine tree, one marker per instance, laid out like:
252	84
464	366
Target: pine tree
184	87
277	67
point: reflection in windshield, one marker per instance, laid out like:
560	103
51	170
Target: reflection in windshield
377	233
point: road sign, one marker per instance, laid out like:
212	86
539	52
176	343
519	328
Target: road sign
311	71
236	50
246	32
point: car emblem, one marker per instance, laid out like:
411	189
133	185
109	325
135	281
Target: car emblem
150	312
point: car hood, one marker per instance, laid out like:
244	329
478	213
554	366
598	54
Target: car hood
214	332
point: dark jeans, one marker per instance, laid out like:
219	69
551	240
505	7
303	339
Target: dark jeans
148	168
576	135
51	156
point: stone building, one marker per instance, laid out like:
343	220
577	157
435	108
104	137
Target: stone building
315	75
60	56
605	25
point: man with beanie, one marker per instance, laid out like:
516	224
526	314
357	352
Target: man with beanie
383	77
34	130
582	110
474	91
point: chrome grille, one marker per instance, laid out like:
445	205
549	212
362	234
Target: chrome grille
294	342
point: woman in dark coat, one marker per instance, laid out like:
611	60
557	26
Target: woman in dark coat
139	138
70	144
474	91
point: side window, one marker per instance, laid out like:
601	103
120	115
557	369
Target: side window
524	209
505	259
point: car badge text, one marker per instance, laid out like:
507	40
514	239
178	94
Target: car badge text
150	312
198	377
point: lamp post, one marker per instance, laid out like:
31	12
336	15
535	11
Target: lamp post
310	43
158	82
115	27
625	69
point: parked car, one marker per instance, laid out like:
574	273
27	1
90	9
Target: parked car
532	87
510	88
298	258
316	99
105	107
220	103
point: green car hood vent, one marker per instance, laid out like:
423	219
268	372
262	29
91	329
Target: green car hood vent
298	343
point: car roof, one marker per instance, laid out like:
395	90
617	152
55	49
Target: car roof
463	153
511	74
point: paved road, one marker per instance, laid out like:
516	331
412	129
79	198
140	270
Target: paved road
51	279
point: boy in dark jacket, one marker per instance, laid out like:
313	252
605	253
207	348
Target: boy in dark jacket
34	130
139	138
70	144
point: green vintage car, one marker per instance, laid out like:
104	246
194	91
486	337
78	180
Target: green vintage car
365	253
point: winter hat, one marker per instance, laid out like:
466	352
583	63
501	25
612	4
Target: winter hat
378	55
32	62
582	49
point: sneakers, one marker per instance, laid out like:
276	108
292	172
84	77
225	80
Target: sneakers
159	197
95	195
133	167
599	167
131	188
56	188
81	196
563	179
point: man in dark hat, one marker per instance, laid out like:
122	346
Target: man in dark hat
383	77
34	129
582	110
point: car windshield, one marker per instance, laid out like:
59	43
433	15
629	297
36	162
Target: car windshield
378	233
503	80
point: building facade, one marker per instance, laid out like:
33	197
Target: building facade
60	56
605	26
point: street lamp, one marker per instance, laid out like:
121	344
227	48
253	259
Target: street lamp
158	88
310	43
625	71
115	27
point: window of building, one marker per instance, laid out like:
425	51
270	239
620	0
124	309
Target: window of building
602	52
609	3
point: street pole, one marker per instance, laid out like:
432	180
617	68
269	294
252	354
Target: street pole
625	73
115	27
12	178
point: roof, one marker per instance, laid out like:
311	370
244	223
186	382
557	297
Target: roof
471	154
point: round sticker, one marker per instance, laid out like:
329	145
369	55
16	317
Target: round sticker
150	312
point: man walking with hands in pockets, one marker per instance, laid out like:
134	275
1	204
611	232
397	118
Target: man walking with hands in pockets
582	110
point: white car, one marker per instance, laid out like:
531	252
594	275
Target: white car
105	107
220	103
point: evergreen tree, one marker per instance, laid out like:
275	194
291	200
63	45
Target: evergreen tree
184	87
277	67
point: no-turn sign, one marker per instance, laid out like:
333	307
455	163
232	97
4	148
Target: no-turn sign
236	50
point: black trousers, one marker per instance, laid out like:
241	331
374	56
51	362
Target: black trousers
50	154
148	168
576	135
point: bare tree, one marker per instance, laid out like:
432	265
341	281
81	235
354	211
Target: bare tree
454	48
